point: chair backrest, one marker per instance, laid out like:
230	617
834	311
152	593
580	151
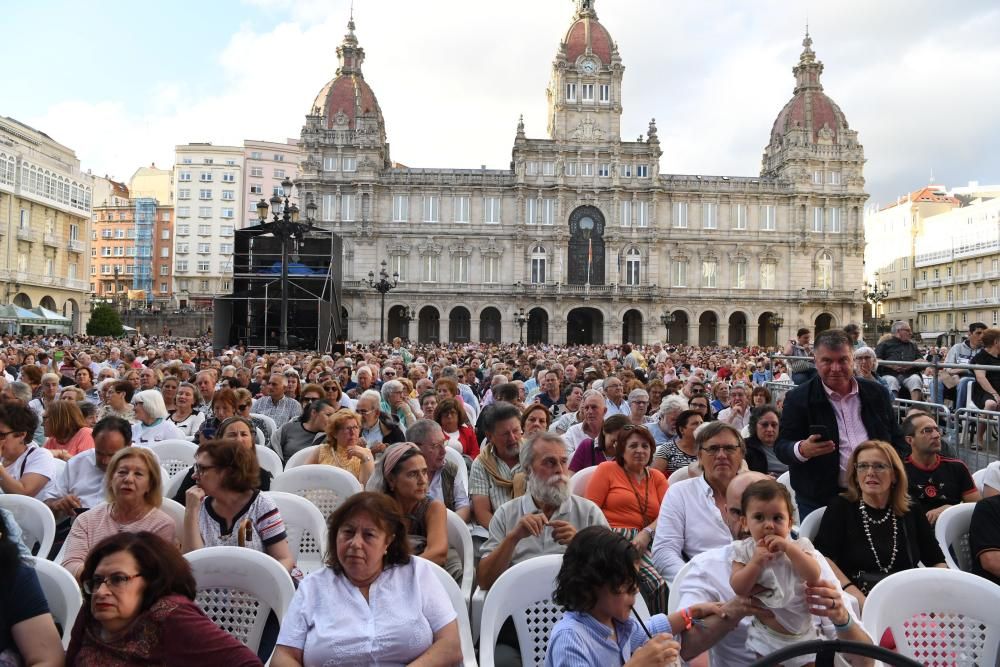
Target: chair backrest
462	473
175	455
979	478
268	460
460	603
578	482
952	533
937	617
674	597
173	484
324	486
38	526
238	588
524	593
810	525
271	424
679	475
258	438
62	592
300	457
460	538
305	527
176	512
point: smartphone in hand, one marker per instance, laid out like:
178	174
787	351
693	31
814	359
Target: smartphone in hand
820	430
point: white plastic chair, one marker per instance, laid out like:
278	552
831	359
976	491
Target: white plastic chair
175	455
271	424
937	617
62	592
268	460
578	482
258	438
810	525
300	457
175	511
460	538
306	529
979	478
38	526
459	602
679	475
238	587
674	597
324	486
173	485
952	533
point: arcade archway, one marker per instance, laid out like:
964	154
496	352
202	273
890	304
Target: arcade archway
584	326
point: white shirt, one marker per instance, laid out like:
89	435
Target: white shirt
35	460
333	624
708	581
739	422
612	409
574	436
148	435
80	477
689	523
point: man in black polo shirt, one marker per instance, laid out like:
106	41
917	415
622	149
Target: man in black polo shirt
935	482
551	396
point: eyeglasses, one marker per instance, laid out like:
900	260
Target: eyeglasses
244	407
877	468
199	469
115	582
714	450
363	412
768	424
309	399
929	430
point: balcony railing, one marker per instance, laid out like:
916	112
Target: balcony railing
26	234
51	240
77	246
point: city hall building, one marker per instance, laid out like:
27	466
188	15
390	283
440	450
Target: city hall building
583	239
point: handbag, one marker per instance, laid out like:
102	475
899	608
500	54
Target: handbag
865	581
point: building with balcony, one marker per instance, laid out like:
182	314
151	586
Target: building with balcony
45	208
207	195
266	165
583	232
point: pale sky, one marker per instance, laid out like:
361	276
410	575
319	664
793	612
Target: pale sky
123	82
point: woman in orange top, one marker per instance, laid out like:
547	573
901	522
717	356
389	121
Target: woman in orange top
67	430
629	492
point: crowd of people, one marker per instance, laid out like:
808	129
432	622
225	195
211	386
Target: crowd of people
676	450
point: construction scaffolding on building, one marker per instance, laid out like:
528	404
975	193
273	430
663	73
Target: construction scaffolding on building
145	221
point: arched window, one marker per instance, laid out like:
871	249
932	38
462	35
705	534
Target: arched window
633	266
824	271
538	265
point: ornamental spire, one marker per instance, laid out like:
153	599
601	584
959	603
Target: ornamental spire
808	71
349	53
585	8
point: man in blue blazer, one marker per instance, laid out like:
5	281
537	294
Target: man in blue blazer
826	417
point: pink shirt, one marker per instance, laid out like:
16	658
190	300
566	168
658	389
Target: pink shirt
850	428
81	441
94	525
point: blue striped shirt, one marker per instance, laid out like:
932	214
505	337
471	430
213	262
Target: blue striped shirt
580	640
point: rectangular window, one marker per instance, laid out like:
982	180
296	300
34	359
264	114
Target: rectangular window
181	266
204	194
203	284
279	173
348	207
537	270
119	251
225	230
184	193
183	230
204	211
226	248
228	213
491	210
833	177
709	269
571	168
349	164
328	207
204	266
184	176
228	195
680	215
548	168
769	217
257	172
186	160
397	264
571	92
587	169
605	92
256	189
204	230
164	269
740	274
329	164
548	211
642	214
835	226
462	208
163	287
165	234
739	216
679	273
817	223
229	177
165	251
642	170
491	269
205	177
710	215
817	178
767	271
460	269
430	268
530	211
204	248
626	171
906	283
531	168
604	170
588	92
626	218
400	208
431	208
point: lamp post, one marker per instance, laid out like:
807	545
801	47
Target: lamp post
874	294
285	226
406	316
666	319
383	287
520	317
776	322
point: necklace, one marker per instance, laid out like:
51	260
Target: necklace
867	522
123	519
644	501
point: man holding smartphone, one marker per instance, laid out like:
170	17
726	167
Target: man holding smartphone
825	418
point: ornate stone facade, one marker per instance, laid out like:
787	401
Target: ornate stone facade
583	232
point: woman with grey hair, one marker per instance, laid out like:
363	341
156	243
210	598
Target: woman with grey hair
865	363
151	423
638	402
395	403
665	429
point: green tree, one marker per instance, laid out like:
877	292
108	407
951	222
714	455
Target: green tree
104	321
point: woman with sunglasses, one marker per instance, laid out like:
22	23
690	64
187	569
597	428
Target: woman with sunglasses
139	609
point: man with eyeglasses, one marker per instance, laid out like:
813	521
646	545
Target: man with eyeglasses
901	348
444	480
693	387
615	404
594	407
826	418
935	482
282	409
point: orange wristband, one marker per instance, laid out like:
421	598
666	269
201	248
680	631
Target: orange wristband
686	617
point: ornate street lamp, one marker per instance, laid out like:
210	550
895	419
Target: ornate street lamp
383	287
776	321
666	319
875	294
520	317
285	227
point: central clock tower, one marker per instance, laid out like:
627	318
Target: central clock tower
584	93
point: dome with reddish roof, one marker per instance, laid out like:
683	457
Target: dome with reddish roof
348	97
810	109
588	35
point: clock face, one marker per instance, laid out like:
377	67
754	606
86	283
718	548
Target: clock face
588	66
587	223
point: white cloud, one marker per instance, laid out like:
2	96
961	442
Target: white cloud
452	76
